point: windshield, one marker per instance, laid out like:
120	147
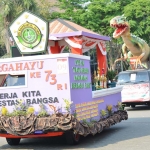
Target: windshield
134	77
14	80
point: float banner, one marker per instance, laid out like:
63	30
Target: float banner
53	83
135	92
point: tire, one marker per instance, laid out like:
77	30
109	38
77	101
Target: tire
13	141
71	138
127	105
148	104
133	106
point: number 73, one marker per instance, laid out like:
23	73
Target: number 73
51	76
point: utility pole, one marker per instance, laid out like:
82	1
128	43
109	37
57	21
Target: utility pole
121	64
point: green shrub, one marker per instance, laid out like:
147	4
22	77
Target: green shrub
110	75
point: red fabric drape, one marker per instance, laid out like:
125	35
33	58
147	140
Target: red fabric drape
102	61
80	44
76	51
75	43
56	49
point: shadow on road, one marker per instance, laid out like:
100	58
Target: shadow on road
126	130
137	108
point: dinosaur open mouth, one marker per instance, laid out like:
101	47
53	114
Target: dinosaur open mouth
119	29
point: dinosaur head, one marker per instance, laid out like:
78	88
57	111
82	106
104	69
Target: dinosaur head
121	25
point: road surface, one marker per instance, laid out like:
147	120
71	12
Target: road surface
133	134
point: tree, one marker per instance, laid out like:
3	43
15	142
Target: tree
48	9
96	16
138	14
9	9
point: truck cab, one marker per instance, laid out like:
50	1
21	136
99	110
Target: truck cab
136	87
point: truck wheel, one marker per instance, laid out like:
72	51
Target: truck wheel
133	106
127	105
148	104
13	141
72	138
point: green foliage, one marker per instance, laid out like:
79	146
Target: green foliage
74	114
22	109
19	109
120	106
103	113
110	75
2	49
89	124
109	109
68	104
9	10
92	120
17	113
47	9
42	112
95	16
139	18
98	13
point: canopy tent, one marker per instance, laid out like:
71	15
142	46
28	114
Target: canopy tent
64	33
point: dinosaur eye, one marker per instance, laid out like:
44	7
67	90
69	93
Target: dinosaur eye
124	19
117	20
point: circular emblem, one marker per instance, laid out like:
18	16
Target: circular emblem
29	35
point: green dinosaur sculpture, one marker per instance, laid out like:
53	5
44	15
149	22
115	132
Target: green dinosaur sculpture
133	47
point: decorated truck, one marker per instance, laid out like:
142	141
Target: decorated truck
51	94
136	51
135	87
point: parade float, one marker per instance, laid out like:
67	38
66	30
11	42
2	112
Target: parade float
50	94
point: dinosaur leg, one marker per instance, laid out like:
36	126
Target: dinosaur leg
132	64
119	59
138	60
145	51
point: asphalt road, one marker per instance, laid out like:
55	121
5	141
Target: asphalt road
133	134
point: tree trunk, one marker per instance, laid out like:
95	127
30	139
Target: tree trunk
6	40
114	53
